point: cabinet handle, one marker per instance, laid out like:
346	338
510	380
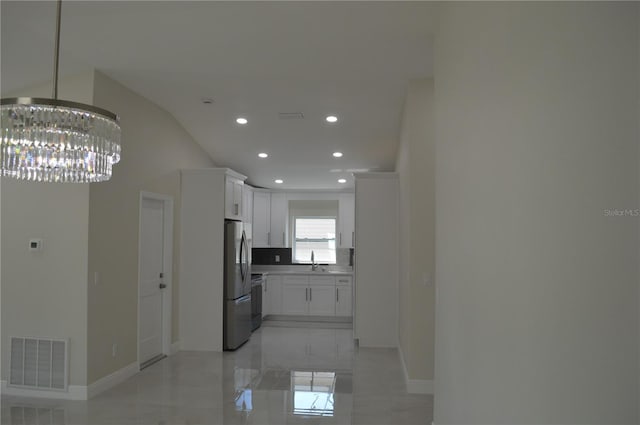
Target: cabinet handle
306	294
337	295
310	294
269	238
237	209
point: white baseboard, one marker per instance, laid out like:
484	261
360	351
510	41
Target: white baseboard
414	386
420	386
113	379
175	347
74	392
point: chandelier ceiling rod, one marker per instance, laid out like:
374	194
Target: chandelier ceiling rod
56	52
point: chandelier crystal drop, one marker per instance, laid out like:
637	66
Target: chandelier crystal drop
52	140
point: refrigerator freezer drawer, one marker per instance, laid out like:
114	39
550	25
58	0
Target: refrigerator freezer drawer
237	328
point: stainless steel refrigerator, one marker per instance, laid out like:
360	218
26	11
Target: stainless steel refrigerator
237	285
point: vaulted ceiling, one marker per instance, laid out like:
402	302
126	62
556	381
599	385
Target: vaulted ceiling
254	59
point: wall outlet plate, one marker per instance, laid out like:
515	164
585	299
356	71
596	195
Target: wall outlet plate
35	245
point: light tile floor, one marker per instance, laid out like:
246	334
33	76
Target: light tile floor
281	376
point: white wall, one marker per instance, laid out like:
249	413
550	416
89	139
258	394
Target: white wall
44	294
154	148
202	260
415	165
537	134
376	260
88	229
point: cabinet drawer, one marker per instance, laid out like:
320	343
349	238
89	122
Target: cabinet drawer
343	280
322	280
296	279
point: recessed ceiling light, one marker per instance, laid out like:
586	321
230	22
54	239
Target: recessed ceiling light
279	181
241	120
342	180
332	118
263	155
337	154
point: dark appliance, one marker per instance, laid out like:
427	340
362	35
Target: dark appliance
256	301
237	286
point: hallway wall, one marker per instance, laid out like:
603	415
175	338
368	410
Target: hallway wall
415	165
537	138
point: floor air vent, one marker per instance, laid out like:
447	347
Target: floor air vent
27	415
39	363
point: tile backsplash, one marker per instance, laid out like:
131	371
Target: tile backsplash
268	256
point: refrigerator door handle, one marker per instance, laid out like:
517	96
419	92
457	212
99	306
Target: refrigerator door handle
246	255
242	253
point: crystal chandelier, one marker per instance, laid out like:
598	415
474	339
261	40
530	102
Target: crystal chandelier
52	140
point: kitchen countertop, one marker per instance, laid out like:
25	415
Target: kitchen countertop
299	270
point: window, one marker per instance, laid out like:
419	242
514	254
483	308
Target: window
317	234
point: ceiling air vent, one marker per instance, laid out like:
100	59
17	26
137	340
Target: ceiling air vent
290	115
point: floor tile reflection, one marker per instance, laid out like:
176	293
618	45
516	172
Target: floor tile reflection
283	375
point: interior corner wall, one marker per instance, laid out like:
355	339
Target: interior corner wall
415	166
44	294
376	259
154	148
536	146
638	206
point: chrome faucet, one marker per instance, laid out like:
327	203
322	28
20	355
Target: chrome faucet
314	265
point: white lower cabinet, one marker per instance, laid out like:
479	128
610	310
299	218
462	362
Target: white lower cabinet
321	296
272	295
344	296
321	301
303	295
295	295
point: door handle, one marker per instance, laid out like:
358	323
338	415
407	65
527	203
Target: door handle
162	286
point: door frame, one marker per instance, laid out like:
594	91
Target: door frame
167	249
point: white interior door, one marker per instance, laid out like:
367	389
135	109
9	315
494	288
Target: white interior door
151	278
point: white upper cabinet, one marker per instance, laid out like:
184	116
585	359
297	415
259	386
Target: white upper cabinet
233	198
261	219
247	204
346	220
279	219
271	217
